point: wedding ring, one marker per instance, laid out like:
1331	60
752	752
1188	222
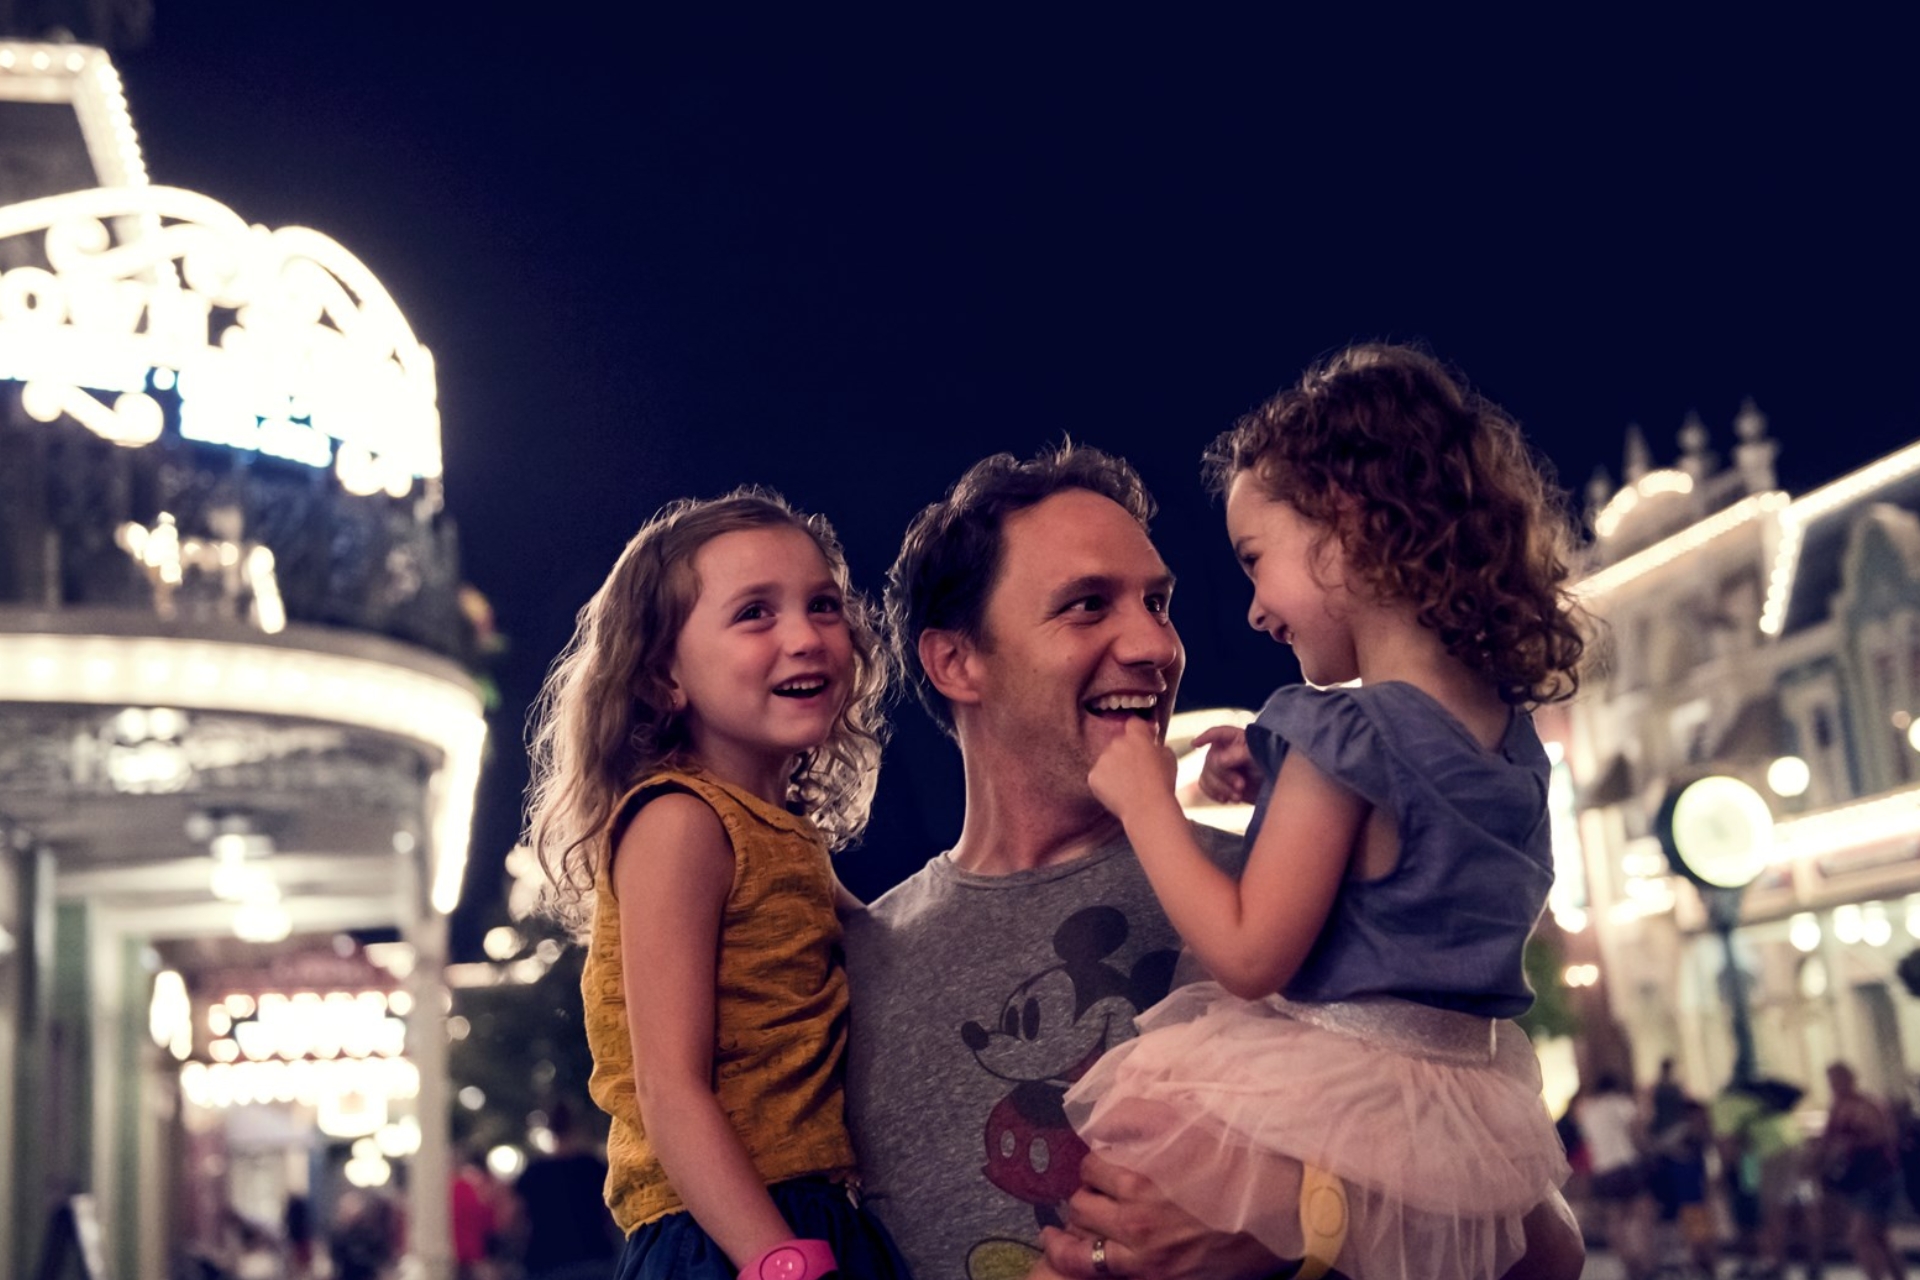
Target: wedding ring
1100	1267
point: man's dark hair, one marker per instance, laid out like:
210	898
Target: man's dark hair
950	559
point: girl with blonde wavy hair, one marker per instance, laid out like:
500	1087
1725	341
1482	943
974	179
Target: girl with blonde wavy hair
713	726
1366	966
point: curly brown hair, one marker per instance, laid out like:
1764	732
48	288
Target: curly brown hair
605	718
1436	500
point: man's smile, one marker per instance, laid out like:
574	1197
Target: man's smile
1142	705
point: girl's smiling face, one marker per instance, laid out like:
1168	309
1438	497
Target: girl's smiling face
1298	575
764	663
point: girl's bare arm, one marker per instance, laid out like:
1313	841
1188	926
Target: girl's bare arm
671	872
1252	934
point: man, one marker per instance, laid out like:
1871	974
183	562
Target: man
1029	610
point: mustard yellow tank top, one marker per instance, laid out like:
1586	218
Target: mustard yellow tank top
780	1012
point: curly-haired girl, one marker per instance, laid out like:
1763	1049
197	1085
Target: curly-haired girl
714	722
1398	535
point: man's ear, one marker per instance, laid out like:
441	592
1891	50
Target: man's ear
947	657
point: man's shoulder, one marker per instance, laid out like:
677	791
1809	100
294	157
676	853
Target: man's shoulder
909	896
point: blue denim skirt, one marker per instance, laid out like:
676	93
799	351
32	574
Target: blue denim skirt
675	1248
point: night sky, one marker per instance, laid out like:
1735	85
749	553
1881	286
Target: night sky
847	260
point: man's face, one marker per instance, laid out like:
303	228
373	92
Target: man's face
1077	639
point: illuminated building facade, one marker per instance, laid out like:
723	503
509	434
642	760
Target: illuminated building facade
1775	640
239	739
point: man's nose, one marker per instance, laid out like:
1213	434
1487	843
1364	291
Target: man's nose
1149	639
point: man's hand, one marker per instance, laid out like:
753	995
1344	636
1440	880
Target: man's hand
1228	774
1133	767
1144	1234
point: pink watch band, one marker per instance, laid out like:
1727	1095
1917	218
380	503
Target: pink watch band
793	1260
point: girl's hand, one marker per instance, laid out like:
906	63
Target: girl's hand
1229	774
1133	767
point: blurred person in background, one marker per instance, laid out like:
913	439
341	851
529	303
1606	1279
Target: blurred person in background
1579	1188
1683	1148
1859	1167
570	1232
1666	1101
481	1211
1760	1146
298	1225
1679	1136
256	1254
1666	1109
1610	1125
1908	1127
365	1236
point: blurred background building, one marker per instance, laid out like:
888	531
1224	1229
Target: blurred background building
1773	640
239	731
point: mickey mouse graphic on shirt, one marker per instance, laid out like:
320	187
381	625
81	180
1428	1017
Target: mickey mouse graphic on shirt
1050	1029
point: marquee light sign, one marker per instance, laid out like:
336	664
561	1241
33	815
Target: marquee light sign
274	341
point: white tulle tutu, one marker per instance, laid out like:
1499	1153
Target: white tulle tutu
1432	1119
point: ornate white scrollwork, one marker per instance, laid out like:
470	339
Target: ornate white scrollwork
275	340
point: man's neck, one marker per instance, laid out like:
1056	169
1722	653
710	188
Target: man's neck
1012	826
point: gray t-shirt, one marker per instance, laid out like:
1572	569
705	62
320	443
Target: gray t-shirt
977	1000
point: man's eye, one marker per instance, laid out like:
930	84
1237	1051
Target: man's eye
1088	604
1158	604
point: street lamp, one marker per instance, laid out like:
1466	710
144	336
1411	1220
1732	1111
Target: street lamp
1718	832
